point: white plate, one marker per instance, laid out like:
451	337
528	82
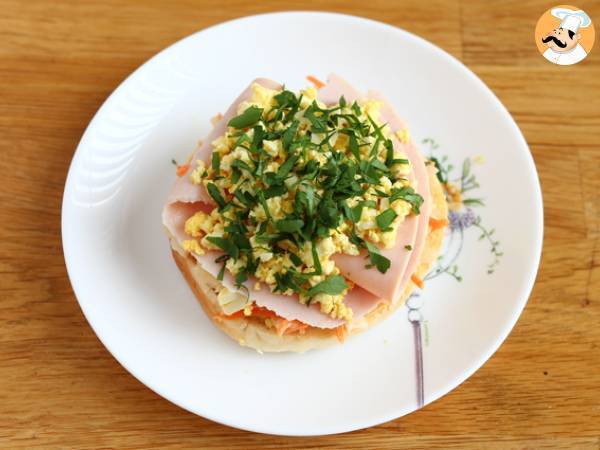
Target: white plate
139	305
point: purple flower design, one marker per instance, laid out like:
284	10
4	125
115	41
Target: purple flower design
454	219
461	220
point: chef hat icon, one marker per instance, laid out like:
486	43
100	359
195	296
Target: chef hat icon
571	20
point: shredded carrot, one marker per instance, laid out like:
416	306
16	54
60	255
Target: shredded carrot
341	333
415	279
296	327
259	311
182	169
318	83
282	326
436	224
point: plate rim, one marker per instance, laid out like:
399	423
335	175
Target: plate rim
382	418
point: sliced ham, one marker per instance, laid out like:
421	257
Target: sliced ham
386	285
336	87
288	307
175	215
186	198
412	231
389	115
184	190
371	287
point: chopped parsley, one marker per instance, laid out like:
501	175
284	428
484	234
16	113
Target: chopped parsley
332	285
385	219
247	118
377	259
214	192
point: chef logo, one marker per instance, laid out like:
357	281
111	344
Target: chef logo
564	35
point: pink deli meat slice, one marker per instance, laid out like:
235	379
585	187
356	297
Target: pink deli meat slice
175	215
386	285
390	116
288	307
184	190
336	87
412	230
186	199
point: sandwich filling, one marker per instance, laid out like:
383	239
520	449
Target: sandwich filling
299	188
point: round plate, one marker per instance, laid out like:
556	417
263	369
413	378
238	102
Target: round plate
138	304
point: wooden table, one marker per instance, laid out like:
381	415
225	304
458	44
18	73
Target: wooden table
60	388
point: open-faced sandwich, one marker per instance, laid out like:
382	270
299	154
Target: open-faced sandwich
304	217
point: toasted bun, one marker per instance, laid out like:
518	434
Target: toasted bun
253	332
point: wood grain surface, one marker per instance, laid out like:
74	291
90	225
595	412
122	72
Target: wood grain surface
60	388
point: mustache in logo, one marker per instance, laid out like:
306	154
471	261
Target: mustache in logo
555	40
